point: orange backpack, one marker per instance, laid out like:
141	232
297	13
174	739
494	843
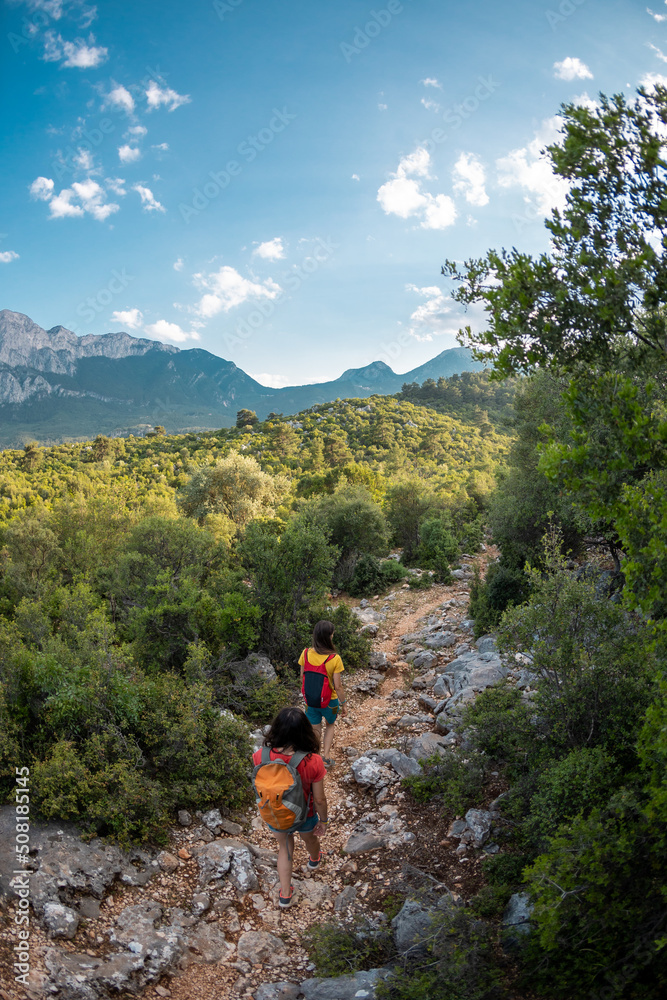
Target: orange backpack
279	791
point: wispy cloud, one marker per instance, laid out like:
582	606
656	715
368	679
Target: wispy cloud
178	264
431	81
156	96
74	55
7	256
656	17
275	381
121	98
149	202
433	317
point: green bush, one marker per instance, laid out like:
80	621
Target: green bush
499	724
573	786
258	701
461	964
239	623
367	578
339	951
437	547
502	588
456	780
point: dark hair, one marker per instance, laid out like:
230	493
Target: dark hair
322	637
291	728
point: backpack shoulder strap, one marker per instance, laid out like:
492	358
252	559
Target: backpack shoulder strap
306	664
330	657
297	757
266	755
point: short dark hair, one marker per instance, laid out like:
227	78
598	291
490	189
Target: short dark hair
291	728
322	637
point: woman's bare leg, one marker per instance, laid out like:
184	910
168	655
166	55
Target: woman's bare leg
285	861
328	739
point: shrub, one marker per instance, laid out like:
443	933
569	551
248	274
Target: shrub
460	966
239	623
258	701
457	781
367	578
499	725
570	787
337	950
437	547
502	588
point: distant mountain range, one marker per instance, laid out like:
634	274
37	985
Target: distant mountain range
55	385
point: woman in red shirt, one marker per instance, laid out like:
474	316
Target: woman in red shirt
291	732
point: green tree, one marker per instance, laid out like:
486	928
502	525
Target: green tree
246	418
235	486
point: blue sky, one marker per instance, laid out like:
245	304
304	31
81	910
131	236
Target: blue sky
279	183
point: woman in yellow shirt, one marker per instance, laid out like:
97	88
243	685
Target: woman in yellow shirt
323	654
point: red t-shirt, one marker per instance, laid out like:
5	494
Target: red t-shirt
311	769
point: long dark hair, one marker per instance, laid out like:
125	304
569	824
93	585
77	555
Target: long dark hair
322	637
291	728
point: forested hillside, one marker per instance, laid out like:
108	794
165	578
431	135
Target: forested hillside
136	573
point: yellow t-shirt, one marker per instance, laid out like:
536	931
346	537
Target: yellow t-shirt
334	666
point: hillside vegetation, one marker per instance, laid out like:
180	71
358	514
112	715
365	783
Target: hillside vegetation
136	573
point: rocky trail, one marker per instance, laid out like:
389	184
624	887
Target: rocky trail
199	920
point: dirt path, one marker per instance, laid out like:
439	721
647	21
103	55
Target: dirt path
373	875
368	879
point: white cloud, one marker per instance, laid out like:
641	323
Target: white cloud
115	184
572	68
42	189
128	154
121	98
469	179
430	105
178	264
81	198
76	54
652	80
656	17
83	159
584	101
382	107
355	177
430	81
275	381
440	212
131	318
163	330
530	169
148	200
161	146
432	318
659	53
226	289
7	256
156	96
271	249
403	196
136	131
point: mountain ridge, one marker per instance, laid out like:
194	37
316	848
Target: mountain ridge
54	384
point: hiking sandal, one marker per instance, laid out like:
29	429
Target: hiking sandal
315	863
285	902
329	762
